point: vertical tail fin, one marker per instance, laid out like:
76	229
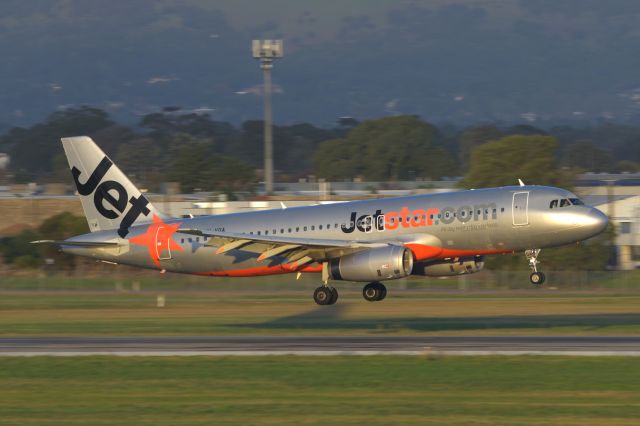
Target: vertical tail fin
109	199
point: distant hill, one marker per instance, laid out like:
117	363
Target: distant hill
457	61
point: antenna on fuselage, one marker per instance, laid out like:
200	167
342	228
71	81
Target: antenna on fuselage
520	182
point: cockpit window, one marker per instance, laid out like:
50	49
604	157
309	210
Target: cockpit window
553	204
576	201
564	202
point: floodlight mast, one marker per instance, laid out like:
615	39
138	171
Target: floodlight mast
267	51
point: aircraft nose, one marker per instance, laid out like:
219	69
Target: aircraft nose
596	221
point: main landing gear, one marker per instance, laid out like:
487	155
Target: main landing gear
374	292
536	278
325	295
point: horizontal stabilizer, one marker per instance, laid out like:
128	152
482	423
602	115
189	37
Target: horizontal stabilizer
87	244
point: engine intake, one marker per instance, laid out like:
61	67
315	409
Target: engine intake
449	268
384	263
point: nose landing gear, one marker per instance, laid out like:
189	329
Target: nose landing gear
536	278
374	292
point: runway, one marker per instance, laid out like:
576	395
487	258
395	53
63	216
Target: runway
320	346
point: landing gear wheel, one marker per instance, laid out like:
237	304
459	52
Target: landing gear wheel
537	278
374	292
323	295
383	292
334	295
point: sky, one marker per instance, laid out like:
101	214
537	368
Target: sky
508	61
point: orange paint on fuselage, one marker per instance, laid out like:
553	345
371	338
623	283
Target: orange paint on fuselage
158	238
425	252
284	268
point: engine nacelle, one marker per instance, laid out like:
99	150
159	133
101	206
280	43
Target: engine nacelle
449	268
377	264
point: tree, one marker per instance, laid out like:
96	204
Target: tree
586	156
32	150
60	227
143	160
390	148
473	137
19	251
196	167
504	161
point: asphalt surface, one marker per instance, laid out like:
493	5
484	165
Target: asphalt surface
320	345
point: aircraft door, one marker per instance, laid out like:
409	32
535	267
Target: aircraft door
163	249
520	208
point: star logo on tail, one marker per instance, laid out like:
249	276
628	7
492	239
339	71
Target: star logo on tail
158	240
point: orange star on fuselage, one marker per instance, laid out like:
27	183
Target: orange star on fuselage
158	239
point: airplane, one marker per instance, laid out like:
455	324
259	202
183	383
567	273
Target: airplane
433	235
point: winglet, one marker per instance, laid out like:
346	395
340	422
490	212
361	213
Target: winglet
283	205
520	182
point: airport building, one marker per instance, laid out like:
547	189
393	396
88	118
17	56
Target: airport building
618	196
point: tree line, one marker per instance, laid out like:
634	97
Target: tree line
204	154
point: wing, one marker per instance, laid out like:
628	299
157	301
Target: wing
300	250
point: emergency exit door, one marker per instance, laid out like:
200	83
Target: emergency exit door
163	248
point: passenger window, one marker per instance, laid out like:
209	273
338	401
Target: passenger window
564	202
289	230
189	239
313	227
258	232
305	228
182	241
553	204
282	230
297	229
502	210
320	227
266	232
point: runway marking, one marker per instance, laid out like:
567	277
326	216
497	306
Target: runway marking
319	353
219	346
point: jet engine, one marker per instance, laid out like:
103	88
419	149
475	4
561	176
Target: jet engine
449	268
377	264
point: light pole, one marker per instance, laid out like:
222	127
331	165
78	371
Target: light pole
266	51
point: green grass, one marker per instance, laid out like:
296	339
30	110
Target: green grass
127	279
320	390
294	313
